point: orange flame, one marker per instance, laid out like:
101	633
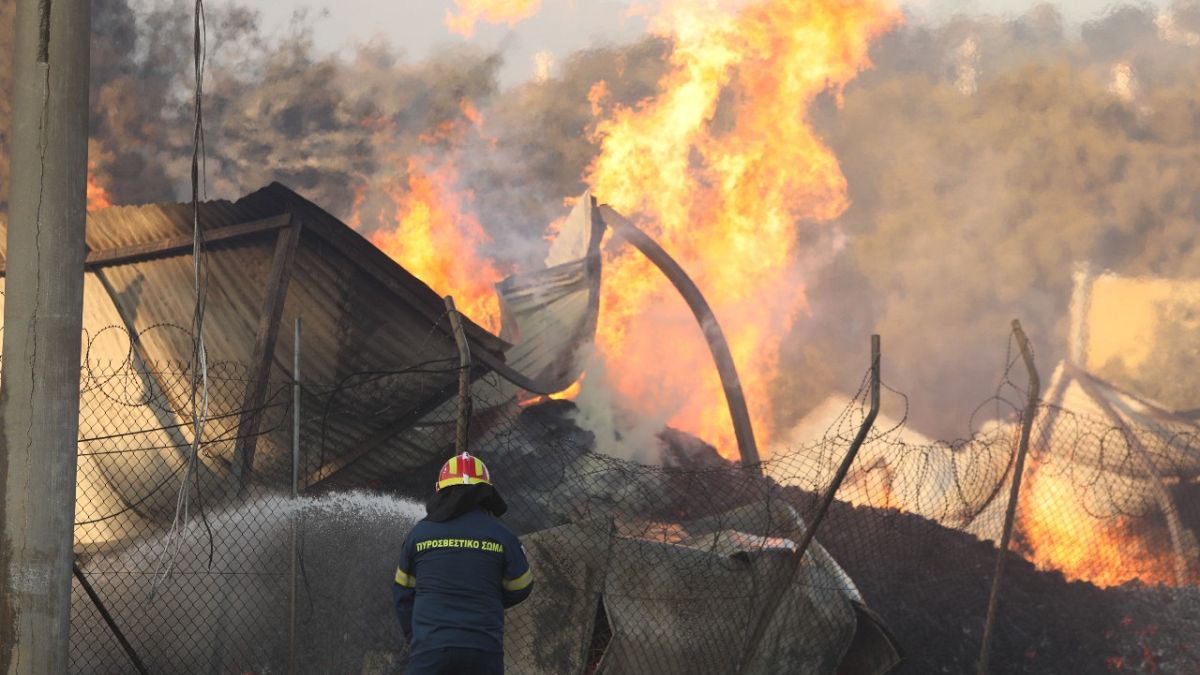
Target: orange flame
436	238
720	166
596	97
567	394
471	12
1058	533
424	223
572	391
97	195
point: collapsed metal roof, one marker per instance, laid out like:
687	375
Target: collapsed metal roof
272	257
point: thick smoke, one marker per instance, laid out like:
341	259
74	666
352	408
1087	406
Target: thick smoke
984	157
537	143
325	127
273	108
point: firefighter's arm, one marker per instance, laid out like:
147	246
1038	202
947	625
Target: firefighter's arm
404	589
518	577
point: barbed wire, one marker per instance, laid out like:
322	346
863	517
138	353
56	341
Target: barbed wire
688	551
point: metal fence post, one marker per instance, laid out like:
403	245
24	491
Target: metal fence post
1035	386
810	532
735	397
293	590
464	378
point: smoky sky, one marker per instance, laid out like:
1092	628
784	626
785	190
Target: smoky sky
984	155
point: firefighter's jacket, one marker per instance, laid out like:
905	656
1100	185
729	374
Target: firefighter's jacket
455	579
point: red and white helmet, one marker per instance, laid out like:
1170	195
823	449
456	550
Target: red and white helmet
464	469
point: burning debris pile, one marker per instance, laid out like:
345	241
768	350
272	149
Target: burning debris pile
927	581
1109	493
931	585
917	520
381	387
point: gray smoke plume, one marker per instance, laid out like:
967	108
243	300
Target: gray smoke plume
273	108
542	143
985	157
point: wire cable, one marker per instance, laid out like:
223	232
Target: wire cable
199	360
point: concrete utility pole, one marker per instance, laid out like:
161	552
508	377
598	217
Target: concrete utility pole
39	384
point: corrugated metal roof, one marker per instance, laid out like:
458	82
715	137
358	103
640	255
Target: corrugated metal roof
361	313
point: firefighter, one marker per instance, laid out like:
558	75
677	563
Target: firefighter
460	568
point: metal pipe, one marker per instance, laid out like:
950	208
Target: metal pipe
810	532
43	319
1035	386
464	378
296	411
742	428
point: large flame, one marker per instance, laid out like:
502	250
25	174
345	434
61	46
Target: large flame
471	12
1058	533
97	195
720	166
437	239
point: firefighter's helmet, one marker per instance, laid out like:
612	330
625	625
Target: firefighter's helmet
464	469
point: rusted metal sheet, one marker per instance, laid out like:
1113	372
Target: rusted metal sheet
336	236
120	227
176	245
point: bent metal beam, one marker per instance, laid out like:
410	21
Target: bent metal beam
734	397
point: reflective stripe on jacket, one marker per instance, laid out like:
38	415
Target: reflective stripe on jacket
454	580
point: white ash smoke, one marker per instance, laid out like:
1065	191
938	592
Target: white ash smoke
618	431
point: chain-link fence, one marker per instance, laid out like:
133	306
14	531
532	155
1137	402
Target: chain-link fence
181	556
687	566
